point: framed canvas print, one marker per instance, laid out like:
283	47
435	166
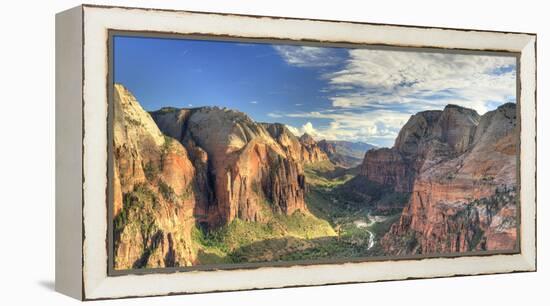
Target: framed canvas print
200	152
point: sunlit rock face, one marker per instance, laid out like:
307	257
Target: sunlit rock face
311	152
247	167
154	191
463	196
180	170
176	168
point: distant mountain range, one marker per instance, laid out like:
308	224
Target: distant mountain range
345	153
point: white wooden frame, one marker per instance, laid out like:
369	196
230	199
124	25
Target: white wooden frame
81	150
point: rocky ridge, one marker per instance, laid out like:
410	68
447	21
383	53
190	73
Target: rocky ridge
153	191
462	169
344	153
311	151
247	170
175	169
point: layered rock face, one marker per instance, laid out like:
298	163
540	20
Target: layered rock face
290	144
179	169
425	140
153	190
245	169
311	152
307	150
464	192
388	167
215	165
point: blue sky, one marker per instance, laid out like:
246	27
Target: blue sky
333	93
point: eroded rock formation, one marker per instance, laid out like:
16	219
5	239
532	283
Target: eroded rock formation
175	169
428	138
311	152
242	166
464	192
154	198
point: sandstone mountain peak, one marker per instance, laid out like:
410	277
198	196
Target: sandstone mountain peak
146	164
129	112
246	164
307	139
311	152
453	126
449	159
459	108
180	168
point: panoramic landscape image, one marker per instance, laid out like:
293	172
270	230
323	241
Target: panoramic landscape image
227	152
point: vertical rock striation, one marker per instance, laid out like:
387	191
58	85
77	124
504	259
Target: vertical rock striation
154	198
311	152
464	192
248	169
428	138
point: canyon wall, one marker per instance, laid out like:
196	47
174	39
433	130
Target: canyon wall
176	169
464	193
249	169
153	191
311	151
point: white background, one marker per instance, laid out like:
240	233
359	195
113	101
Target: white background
27	153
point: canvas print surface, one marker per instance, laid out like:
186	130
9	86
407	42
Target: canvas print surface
229	152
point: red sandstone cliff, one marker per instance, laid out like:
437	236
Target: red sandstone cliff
303	149
311	152
175	169
388	167
463	196
428	138
243	167
153	191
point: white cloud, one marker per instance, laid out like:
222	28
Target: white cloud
306	128
419	81
380	128
275	115
253	102
304	56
